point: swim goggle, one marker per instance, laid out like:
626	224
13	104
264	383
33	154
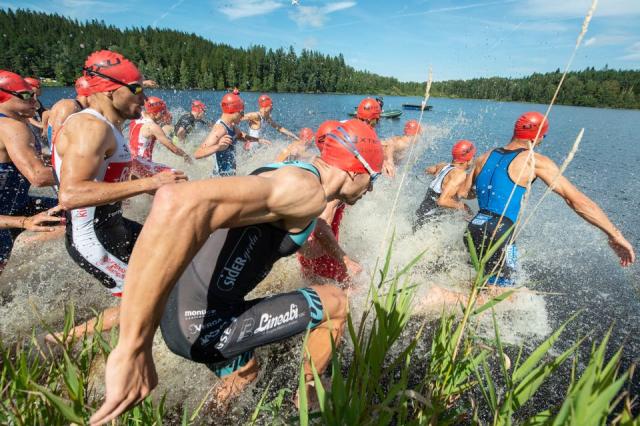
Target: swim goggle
134	88
25	96
347	142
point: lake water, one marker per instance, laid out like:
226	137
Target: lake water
566	262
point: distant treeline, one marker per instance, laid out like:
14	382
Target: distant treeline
591	87
55	47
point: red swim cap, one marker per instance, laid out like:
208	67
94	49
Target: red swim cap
326	127
463	151
343	146
265	101
527	126
111	64
13	82
232	103
154	105
82	86
33	82
306	135
369	109
197	106
412	128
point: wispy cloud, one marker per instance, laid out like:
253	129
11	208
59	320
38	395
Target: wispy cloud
454	8
633	53
168	12
577	8
247	8
316	16
608	40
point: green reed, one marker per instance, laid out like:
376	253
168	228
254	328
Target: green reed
376	386
54	386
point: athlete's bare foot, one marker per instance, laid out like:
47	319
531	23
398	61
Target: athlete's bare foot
231	386
313	404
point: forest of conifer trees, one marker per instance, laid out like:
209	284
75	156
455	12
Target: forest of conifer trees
54	47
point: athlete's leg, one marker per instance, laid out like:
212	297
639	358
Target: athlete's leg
109	318
335	308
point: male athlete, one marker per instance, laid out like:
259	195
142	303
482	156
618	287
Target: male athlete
207	244
93	164
223	136
62	109
299	150
21	164
503	171
451	183
258	119
395	147
187	122
143	134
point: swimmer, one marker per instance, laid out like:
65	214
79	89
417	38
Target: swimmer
395	147
321	257
207	244
21	163
369	111
258	119
37	119
143	134
451	183
62	109
223	136
496	174
298	150
187	122
93	164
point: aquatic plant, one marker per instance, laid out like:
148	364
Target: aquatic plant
372	385
53	386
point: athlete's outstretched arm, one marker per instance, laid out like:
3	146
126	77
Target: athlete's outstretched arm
156	130
19	143
281	129
586	208
181	219
88	145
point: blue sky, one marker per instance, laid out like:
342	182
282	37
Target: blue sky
459	39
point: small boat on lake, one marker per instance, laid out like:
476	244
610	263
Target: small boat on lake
390	113
417	107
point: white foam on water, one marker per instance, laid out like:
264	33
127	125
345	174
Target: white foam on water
43	274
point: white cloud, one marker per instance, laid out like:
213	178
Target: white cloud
577	8
608	40
634	53
313	16
247	8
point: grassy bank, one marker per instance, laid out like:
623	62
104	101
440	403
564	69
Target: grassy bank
383	378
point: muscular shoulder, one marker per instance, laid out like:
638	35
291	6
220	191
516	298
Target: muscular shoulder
297	193
12	130
92	131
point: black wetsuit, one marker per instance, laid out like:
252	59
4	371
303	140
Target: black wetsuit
207	318
188	122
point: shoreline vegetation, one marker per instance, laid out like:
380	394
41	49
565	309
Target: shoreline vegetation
386	378
54	47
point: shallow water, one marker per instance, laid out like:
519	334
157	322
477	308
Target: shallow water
566	263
